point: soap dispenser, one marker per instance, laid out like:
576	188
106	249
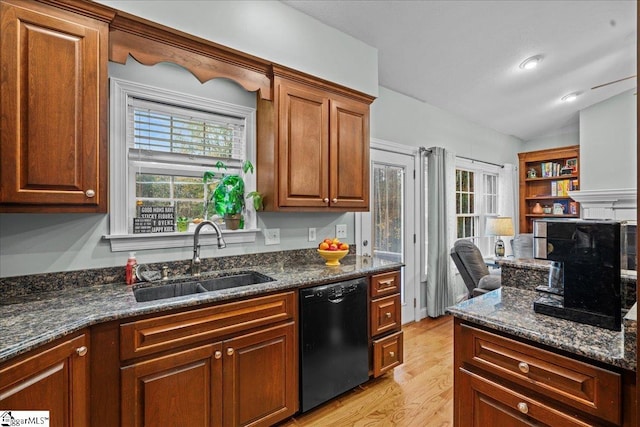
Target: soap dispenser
130	269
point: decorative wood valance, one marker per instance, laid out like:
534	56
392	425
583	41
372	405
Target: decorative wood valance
150	43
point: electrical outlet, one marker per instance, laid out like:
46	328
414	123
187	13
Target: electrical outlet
312	234
272	236
341	231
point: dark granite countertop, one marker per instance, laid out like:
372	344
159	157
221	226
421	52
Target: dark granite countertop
28	321
510	310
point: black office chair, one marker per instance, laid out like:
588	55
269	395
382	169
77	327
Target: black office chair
475	273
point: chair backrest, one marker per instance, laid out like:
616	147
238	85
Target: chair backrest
468	259
522	245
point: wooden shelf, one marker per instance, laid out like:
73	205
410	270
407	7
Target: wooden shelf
543	215
548	198
553	178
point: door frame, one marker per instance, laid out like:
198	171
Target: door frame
411	273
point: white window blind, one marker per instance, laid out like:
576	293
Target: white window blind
167	134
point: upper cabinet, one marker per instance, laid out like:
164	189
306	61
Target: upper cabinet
313	146
53	74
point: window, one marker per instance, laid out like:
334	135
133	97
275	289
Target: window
162	142
476	199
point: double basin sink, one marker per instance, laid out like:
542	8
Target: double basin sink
152	293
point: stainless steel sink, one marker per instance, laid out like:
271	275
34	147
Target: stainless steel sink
152	293
234	281
167	291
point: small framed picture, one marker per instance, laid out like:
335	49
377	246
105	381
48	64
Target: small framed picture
572	164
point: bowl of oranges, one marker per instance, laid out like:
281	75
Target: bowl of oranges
332	250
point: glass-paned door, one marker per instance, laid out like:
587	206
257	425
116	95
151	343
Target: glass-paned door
388	230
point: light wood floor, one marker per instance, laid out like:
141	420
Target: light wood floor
418	393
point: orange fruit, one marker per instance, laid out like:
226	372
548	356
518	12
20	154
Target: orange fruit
343	246
323	246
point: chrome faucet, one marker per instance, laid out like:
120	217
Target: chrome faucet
195	262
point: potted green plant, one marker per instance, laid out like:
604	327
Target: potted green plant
228	197
183	223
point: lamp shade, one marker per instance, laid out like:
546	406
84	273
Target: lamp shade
500	226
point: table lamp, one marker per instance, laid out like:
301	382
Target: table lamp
500	226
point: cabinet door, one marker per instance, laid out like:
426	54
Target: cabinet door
54	380
180	389
303	146
485	403
260	377
349	154
53	80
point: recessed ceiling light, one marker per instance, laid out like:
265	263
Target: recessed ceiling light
570	97
531	62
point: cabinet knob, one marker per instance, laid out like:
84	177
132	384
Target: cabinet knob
81	351
217	354
230	351
387	315
334	200
326	200
392	354
89	193
524	367
523	407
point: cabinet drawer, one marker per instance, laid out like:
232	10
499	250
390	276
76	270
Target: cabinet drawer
492	404
583	386
387	353
160	333
385	284
385	315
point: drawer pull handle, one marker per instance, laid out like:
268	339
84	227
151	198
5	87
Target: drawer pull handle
523	407
217	354
230	351
392	354
326	200
387	315
386	283
524	367
81	351
89	193
334	200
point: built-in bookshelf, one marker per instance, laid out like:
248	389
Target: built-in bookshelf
545	178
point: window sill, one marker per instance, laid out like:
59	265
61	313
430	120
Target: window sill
131	242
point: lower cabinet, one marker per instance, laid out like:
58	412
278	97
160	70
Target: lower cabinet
501	381
385	322
54	380
248	378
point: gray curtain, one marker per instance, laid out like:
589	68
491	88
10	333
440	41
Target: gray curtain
440	230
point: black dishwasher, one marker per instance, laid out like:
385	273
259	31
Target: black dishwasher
334	349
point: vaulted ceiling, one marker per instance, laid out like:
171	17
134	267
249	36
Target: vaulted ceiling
464	56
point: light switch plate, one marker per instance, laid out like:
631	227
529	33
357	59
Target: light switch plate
312	234
272	236
341	231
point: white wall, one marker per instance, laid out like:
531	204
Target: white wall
608	144
553	141
270	30
405	120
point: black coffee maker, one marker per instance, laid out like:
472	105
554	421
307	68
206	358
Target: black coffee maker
584	277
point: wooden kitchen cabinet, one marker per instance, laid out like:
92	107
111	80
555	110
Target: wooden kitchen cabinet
54	379
385	317
53	78
313	146
501	381
233	364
